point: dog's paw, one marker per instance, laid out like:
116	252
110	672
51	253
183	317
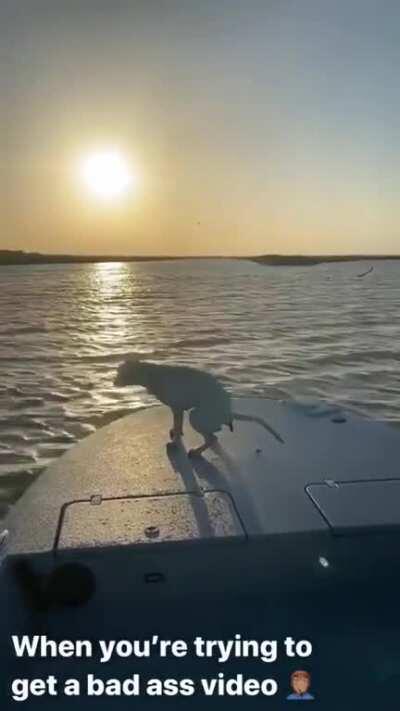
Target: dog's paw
172	434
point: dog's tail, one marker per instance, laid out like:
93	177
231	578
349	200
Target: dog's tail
260	421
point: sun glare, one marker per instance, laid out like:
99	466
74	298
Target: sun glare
107	174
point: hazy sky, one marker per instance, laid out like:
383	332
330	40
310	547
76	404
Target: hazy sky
254	126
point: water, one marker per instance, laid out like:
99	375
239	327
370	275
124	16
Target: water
311	332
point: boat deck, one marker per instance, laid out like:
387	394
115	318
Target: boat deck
261	487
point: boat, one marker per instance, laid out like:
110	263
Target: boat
126	536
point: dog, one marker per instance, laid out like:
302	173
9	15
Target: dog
184	388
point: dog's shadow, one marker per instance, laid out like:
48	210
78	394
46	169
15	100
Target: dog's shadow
199	475
181	464
210	475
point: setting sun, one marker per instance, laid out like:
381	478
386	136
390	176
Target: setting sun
107	174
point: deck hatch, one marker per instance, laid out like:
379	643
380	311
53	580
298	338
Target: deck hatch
358	506
149	520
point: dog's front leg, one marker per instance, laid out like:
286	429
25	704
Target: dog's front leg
177	432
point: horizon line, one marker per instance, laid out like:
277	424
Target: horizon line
99	255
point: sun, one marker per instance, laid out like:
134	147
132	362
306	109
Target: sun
107	174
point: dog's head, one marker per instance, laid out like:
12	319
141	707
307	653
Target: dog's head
130	372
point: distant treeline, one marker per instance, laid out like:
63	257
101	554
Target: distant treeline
9	256
282	260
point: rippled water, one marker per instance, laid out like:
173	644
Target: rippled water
314	332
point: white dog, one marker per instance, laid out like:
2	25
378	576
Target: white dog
183	388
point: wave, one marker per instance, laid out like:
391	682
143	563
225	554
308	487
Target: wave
200	342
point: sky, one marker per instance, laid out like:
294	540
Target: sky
251	126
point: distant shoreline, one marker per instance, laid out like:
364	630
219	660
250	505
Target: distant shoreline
282	260
15	257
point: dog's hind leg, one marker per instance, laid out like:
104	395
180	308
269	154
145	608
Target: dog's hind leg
209	440
206	422
176	432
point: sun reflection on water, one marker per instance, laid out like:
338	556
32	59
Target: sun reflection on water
111	284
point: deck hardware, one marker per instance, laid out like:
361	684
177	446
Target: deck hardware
324	562
154	578
3	538
96	500
152	532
